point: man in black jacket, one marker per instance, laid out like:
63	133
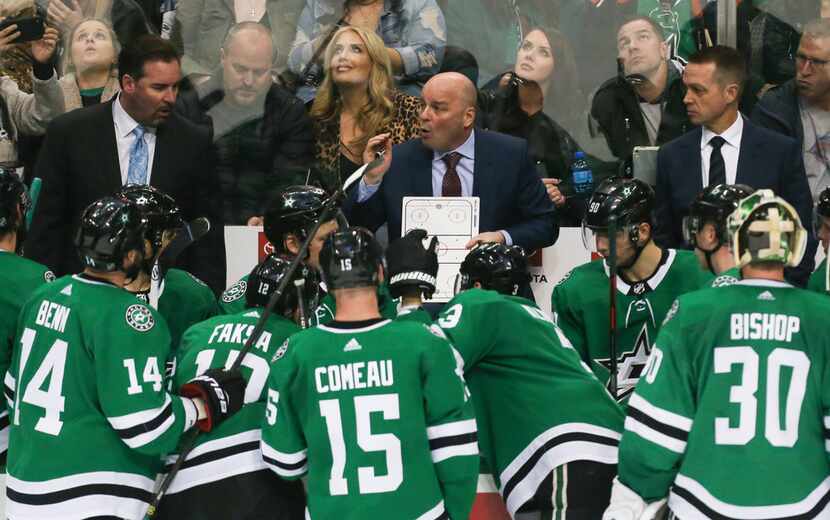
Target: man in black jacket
800	108
263	136
643	105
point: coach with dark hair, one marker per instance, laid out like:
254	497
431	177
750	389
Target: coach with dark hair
134	139
726	148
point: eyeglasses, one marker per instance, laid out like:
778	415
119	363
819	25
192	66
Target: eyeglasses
801	59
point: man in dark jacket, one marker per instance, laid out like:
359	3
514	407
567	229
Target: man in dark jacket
800	108
643	105
262	134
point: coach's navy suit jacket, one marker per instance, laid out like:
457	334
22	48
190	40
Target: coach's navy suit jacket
512	195
766	159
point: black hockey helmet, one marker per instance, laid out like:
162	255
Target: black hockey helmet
158	208
713	205
496	267
821	209
110	228
351	258
266	276
13	196
294	211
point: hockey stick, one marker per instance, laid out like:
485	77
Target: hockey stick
189	441
612	299
190	232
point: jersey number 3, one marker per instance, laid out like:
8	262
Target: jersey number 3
744	395
368	481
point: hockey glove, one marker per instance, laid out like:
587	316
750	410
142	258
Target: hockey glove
628	505
223	393
410	265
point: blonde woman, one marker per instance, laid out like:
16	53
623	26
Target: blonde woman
357	100
92	55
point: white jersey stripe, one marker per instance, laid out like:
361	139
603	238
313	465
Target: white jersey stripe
78	509
148	437
652	435
125	422
434	513
451	429
659	414
284	464
441	454
687	511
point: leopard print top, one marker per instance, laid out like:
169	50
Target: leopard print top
404	126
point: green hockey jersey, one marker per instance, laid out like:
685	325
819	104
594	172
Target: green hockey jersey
377	414
729	277
538	406
732	415
184	301
90	416
19	278
818	279
233	447
580	306
233	302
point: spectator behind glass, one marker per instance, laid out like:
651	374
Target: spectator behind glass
128	19
91	64
358	100
28	113
413	32
202	26
262	134
527	102
643	104
800	108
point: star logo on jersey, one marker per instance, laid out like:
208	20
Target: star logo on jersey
630	364
352	345
235	291
140	318
280	351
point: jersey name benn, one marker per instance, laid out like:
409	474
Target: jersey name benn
354	376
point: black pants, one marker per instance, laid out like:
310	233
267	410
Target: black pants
579	490
253	496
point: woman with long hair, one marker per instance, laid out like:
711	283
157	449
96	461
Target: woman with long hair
357	100
91	64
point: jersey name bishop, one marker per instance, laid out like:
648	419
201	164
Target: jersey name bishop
764	326
52	315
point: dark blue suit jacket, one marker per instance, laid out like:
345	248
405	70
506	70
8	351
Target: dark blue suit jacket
766	159
513	197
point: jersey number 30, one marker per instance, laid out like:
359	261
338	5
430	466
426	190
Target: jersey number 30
367	479
743	395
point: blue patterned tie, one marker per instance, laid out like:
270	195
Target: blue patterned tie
137	174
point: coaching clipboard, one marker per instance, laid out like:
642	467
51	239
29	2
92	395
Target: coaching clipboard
454	220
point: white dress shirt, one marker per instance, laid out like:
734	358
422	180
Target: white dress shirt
124	138
730	150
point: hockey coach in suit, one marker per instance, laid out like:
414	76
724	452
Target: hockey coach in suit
453	160
134	139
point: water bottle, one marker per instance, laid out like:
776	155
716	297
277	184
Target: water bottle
583	177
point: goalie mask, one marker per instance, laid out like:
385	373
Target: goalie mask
295	211
351	258
631	201
496	267
766	228
301	291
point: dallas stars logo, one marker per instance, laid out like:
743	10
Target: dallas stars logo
235	291
140	318
630	364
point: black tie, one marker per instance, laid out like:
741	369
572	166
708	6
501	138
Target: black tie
717	168
451	185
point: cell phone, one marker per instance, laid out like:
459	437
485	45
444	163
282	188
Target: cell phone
31	28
